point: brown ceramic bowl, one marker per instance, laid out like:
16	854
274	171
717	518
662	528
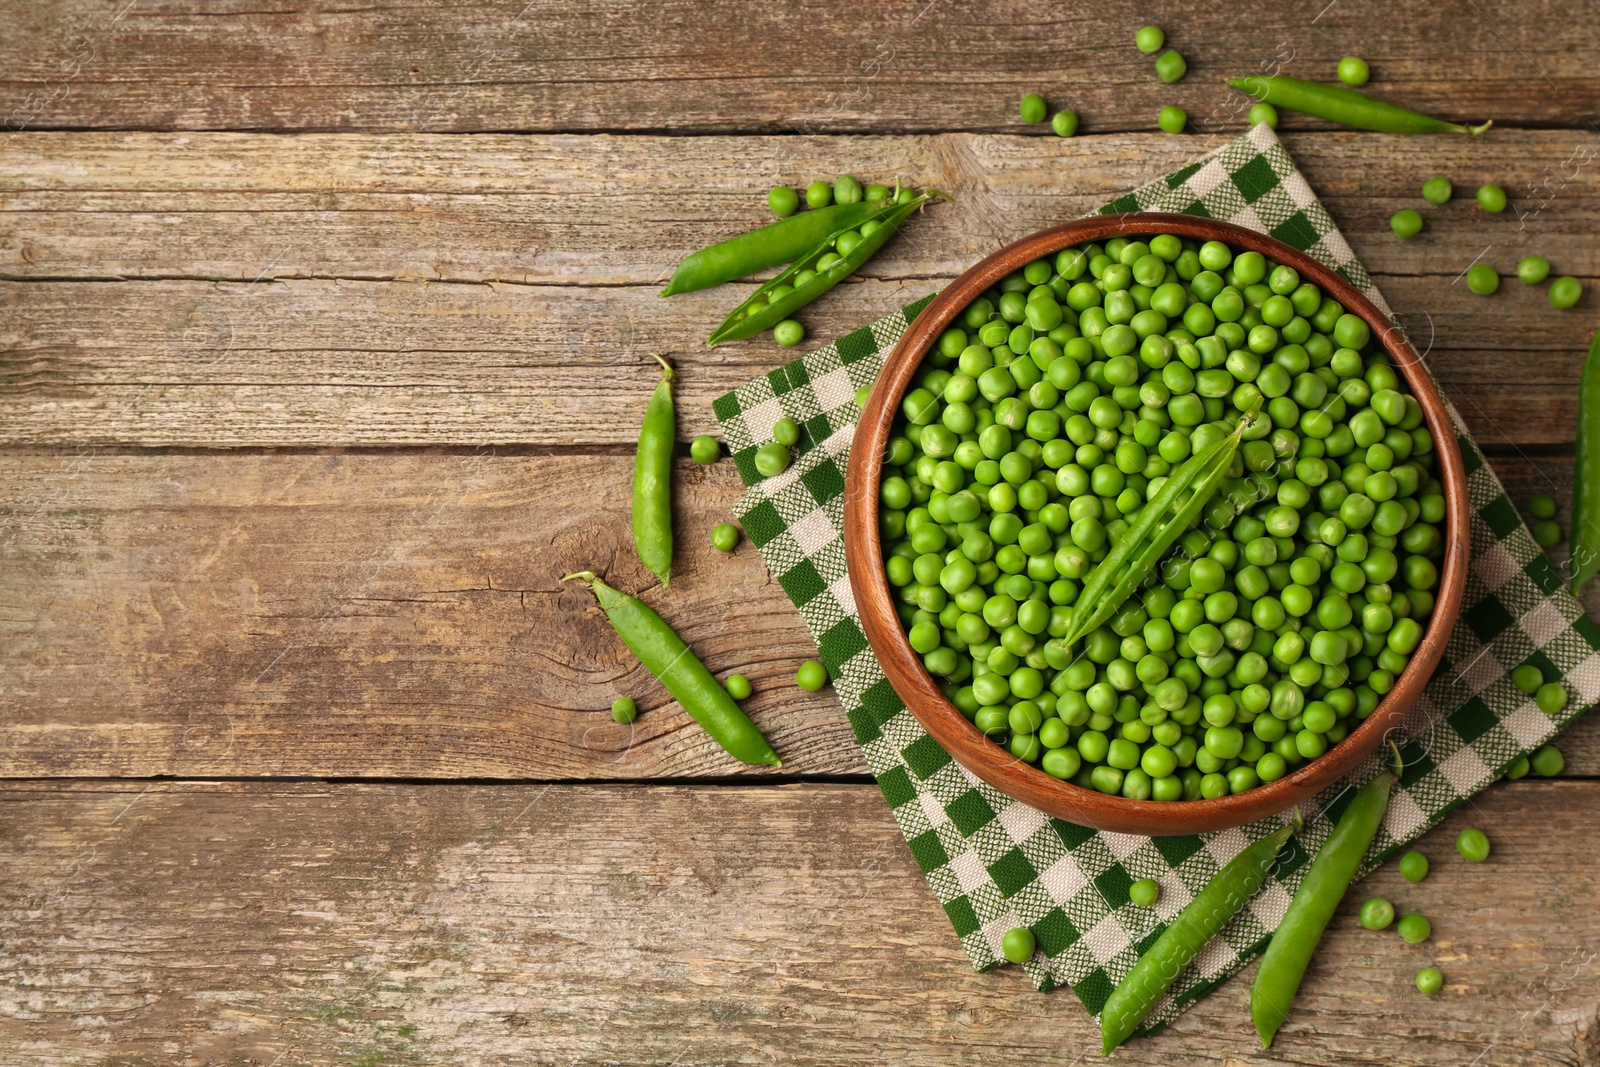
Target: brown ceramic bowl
995	764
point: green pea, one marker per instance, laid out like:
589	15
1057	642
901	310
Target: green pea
1482	279
1172	118
725	537
1145	892
1437	190
1551	698
1533	269
1565	292
1171	67
819	194
1262	112
1377	914
1413	866
1491	198
1547	762
1414	928
771	459
1429	980
1032	108
1353	70
1065	124
1018	944
705	450
811	676
624	709
1406	223
1149	39
1473	844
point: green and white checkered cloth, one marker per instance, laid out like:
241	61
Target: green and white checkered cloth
995	863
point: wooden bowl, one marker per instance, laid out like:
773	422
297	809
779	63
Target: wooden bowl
996	765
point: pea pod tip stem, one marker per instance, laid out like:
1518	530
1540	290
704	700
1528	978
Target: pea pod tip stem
582	576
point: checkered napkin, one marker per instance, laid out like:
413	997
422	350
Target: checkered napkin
995	863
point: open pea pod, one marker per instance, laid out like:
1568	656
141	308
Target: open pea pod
743	322
1162	521
780	242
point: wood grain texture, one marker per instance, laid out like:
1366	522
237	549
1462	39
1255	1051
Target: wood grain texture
193	923
224	291
906	65
391	614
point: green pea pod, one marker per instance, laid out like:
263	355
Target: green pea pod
1229	890
1585	539
1284	963
1161	522
667	657
781	242
1345	106
652	479
742	322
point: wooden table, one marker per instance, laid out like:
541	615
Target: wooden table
325	336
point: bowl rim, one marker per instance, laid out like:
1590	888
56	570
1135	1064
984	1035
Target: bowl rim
994	764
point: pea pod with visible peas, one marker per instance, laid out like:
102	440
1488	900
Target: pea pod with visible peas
667	657
762	312
780	242
1284	963
1229	890
652	479
1585	536
1345	106
1159	524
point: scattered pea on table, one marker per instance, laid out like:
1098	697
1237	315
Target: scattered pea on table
1547	762
1429	980
1413	866
1064	123
1171	67
1518	768
1527	678
847	190
1032	108
725	537
738	687
1533	269
1546	534
1353	70
772	459
783	201
1172	119
1482	279
819	194
1377	914
1491	198
1018	944
624	709
1406	224
1437	190
1149	39
1551	697
1473	844
1565	291
1414	929
877	193
1260	113
705	450
786	432
811	676
1542	506
1145	892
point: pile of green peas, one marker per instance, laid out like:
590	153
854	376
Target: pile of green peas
1047	416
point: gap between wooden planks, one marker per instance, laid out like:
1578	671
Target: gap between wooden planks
393	614
233	923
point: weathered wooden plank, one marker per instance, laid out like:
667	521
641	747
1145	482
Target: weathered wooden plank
281	290
396	614
390	614
198	923
907	65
